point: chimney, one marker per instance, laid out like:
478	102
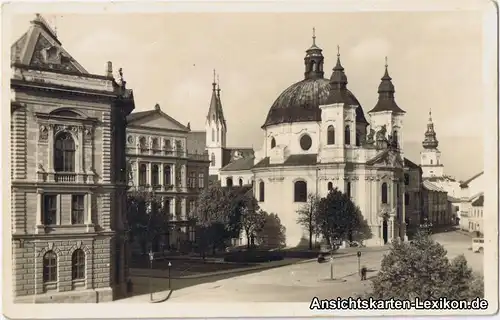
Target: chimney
109	69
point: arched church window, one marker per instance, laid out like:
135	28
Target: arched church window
330	132
229	182
273	143
261	191
330	186
347	135
384	193
212	160
348	189
305	142
314	66
358	139
240	182
213	135
300	191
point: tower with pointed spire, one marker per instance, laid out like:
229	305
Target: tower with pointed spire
215	128
387	112
430	156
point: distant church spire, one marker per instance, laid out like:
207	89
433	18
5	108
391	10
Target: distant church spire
430	141
213	110
314	60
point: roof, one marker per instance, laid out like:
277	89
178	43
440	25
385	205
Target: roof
239	164
442	178
386	101
234	153
479	202
410	164
39	47
464	184
135	116
292	160
300	102
431	186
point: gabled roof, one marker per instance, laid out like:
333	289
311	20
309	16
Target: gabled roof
431	186
239	165
464	184
479	202
135	117
39	47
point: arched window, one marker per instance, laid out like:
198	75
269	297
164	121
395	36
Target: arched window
155	178
300	191
358	139
330	186
240	182
273	143
142	174
347	135
212	160
213	135
166	175
78	265
261	191
330	135
229	182
217	134
432	162
348	189
50	266
64	153
384	193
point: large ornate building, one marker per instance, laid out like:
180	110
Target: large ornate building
162	161
68	173
317	137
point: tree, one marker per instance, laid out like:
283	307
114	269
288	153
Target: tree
339	218
273	233
146	219
307	217
421	269
213	214
252	221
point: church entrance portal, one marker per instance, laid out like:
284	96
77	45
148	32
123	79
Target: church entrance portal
385	231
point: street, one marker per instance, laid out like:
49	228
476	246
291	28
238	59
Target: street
301	282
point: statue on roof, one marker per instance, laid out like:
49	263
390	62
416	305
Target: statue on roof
370	138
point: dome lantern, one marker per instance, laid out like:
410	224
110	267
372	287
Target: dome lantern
314	61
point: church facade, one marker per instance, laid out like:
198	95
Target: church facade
318	137
68	191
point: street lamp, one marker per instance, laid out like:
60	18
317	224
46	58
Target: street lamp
169	278
151	257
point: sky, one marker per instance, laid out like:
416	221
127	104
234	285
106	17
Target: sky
434	58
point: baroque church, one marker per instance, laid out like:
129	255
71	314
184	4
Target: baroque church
318	137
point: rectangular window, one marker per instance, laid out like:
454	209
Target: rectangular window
49	210
77	209
166	206
192	207
201	180
407	199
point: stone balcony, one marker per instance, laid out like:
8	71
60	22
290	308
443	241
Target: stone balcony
181	154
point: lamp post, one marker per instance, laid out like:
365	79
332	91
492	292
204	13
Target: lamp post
169	278
359	262
151	257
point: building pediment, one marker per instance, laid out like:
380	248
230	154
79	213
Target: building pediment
157	119
387	159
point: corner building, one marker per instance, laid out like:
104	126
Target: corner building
318	137
68	172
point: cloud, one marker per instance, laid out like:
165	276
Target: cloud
370	49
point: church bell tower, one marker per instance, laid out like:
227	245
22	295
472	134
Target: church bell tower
430	157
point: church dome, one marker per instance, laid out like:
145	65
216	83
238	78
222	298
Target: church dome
300	102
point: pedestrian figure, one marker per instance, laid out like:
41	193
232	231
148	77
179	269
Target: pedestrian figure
363	273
